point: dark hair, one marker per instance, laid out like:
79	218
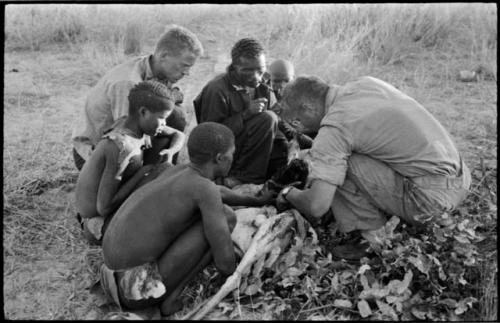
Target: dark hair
176	39
207	140
246	47
152	95
305	88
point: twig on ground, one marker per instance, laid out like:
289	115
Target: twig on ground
265	240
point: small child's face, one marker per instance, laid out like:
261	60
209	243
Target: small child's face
153	122
278	83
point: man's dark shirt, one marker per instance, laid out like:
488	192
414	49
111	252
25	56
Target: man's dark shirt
223	100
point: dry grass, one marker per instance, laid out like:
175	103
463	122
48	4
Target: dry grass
60	51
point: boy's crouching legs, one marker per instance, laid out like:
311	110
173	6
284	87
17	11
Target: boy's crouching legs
183	259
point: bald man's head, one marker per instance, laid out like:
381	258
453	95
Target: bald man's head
281	72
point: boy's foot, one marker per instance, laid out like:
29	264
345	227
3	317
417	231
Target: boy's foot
351	251
231	182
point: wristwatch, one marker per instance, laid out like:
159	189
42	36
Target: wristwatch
285	192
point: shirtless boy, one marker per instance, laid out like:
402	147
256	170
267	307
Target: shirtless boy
116	166
171	228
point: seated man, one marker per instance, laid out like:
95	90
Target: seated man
115	167
176	51
169	229
378	153
241	101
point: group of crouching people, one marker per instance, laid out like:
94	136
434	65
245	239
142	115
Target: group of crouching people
372	153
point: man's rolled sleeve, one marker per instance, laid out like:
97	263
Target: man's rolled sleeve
118	95
328	156
215	108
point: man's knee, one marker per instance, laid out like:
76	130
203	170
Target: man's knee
230	216
270	118
266	120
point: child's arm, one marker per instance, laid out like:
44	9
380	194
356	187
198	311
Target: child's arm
176	143
216	227
112	192
233	198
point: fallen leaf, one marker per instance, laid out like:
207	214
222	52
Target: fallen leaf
421	262
461	238
292	271
342	303
363	269
418	313
364	309
451	303
364	282
386	310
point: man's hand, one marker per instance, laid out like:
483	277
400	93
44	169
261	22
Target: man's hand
281	203
166	155
255	107
267	195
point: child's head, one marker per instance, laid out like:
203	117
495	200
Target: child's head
211	141
150	103
281	72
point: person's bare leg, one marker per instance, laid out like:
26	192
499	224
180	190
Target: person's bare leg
172	303
186	257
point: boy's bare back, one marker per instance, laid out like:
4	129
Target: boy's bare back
157	213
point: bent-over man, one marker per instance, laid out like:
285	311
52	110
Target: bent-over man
378	153
175	53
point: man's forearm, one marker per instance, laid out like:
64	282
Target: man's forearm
233	198
178	139
313	202
300	200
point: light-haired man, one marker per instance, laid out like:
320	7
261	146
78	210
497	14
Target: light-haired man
175	53
378	153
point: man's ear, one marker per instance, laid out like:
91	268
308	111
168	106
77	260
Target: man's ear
308	107
164	54
142	111
218	158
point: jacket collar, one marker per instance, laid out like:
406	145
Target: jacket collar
331	95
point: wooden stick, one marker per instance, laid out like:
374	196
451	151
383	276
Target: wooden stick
266	239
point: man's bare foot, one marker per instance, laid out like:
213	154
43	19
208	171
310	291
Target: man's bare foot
170	306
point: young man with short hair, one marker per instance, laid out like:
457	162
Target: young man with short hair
240	100
175	53
115	168
171	228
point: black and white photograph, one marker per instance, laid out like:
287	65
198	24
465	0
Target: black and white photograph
270	161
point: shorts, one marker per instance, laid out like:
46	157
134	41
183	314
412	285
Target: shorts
131	286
